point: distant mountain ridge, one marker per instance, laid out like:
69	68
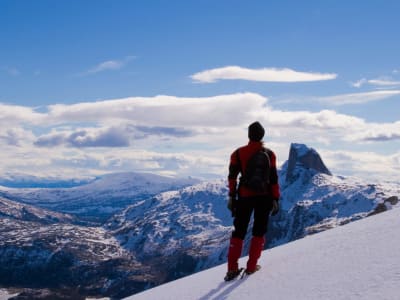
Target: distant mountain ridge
99	199
29	181
18	211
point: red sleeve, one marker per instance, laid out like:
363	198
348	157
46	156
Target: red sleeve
275	191
234	169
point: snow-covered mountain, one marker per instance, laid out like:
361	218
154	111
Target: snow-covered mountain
181	231
99	199
188	230
24	212
356	261
314	200
168	227
44	250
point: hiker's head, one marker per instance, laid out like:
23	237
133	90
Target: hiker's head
256	132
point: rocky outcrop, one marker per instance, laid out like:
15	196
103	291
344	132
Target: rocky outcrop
303	158
385	205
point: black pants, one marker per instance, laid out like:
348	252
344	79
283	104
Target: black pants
261	206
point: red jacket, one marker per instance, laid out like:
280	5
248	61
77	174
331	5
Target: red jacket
245	153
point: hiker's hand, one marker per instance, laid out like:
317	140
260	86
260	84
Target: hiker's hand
230	202
275	207
231	205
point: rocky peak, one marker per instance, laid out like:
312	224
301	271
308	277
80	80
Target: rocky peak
303	158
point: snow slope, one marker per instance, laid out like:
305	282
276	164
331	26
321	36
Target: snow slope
357	261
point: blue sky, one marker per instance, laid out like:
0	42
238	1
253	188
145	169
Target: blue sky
89	87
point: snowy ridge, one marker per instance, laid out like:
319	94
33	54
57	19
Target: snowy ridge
190	224
29	181
101	198
18	211
314	200
356	261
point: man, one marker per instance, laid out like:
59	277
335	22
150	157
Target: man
246	199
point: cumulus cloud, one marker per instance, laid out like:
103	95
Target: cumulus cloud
363	164
378	132
359	98
118	121
109	137
11	115
382	136
165	131
15	136
322	120
167	111
265	74
166	134
118	136
115	122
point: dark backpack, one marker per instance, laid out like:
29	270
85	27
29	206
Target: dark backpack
256	175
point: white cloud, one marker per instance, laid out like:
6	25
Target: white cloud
305	120
15	136
383	82
375	132
371	166
166	134
164	110
184	118
359	98
109	65
265	74
380	82
359	83
86	137
11	115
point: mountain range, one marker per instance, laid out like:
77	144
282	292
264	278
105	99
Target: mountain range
123	233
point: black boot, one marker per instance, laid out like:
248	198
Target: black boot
230	275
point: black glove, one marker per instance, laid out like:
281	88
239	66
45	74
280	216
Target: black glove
275	207
231	205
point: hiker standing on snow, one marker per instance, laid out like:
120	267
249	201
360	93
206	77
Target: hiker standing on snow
258	192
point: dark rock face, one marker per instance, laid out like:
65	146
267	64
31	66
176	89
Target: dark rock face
385	205
303	158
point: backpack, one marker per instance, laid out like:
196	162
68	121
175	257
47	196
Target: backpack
256	175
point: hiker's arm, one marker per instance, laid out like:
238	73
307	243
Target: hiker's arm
273	177
234	170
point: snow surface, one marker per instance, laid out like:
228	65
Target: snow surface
357	261
4	294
